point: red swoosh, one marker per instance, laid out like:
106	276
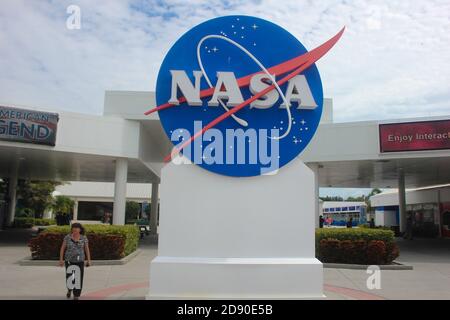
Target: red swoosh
245	81
305	61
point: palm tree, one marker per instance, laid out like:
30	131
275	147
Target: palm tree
62	204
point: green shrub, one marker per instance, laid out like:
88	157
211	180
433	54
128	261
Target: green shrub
44	222
25	213
129	233
27	222
356	246
354	234
23	222
367	226
46	246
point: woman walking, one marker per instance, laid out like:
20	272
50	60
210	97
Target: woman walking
74	250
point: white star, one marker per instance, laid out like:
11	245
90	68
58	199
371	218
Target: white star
242	27
254	26
295	141
232	25
303	122
215	49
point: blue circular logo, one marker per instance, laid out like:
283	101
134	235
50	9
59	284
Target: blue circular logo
239	96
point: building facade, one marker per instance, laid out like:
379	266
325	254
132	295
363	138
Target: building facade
428	208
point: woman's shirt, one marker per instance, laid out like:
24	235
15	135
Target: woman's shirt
75	249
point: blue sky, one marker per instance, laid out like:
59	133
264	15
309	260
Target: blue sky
391	63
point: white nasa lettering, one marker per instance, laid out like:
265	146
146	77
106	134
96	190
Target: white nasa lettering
190	92
258	83
298	91
226	88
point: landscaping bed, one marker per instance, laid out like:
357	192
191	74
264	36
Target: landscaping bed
28	222
356	246
105	242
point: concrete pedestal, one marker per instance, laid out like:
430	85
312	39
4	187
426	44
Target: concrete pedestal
224	237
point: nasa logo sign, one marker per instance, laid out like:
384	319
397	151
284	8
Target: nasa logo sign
240	96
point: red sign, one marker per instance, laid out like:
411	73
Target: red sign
415	136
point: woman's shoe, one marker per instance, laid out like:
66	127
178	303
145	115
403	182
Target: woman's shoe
69	293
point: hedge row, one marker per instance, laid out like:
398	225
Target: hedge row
27	222
129	233
357	251
46	246
354	234
356	246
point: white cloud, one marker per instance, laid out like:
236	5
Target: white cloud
391	62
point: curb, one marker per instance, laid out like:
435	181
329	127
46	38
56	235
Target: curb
52	263
394	266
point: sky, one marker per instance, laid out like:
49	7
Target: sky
392	61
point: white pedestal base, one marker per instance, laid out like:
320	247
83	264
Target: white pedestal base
210	278
236	238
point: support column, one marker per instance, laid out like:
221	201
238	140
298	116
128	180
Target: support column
154	209
120	191
75	211
401	200
315	168
12	194
438	219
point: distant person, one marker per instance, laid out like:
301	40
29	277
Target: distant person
329	221
107	218
372	223
350	223
321	221
409	228
74	250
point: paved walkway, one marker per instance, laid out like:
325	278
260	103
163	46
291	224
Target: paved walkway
430	278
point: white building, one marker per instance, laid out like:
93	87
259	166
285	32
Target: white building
94	199
123	145
429	208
